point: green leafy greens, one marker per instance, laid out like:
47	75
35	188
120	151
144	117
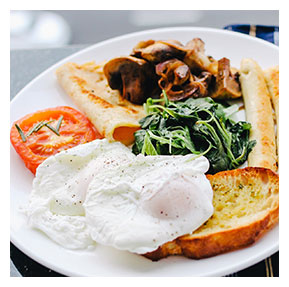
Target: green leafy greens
199	126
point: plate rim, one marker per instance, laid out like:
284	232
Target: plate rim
129	35
223	271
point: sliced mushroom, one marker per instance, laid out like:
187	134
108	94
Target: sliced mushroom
196	59
159	51
193	54
227	84
134	78
136	51
178	82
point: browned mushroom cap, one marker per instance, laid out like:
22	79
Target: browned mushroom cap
134	78
141	45
227	85
197	60
178	82
159	51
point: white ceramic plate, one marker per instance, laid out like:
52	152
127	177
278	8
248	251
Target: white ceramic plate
44	92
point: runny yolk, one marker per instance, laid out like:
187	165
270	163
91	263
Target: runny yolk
125	134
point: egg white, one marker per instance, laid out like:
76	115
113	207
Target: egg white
59	190
153	200
101	192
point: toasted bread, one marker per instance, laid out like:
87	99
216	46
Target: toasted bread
246	205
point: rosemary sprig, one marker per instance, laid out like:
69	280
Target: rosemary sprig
23	137
59	123
35	128
38	126
52	128
55	130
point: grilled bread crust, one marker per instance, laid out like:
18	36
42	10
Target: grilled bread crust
246	205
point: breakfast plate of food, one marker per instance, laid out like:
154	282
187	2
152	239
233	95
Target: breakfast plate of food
150	154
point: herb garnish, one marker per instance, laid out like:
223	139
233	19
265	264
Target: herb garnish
52	128
35	128
23	137
199	126
38	126
59	123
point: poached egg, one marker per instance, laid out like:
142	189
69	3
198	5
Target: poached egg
101	192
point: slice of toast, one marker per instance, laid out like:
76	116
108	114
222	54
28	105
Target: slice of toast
246	205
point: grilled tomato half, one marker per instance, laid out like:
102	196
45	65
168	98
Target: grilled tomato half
39	135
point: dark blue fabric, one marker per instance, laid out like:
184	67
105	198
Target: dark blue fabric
268	33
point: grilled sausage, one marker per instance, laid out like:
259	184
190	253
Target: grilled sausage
259	113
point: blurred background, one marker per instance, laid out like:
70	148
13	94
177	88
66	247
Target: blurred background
58	28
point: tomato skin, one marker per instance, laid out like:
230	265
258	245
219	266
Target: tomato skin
75	129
